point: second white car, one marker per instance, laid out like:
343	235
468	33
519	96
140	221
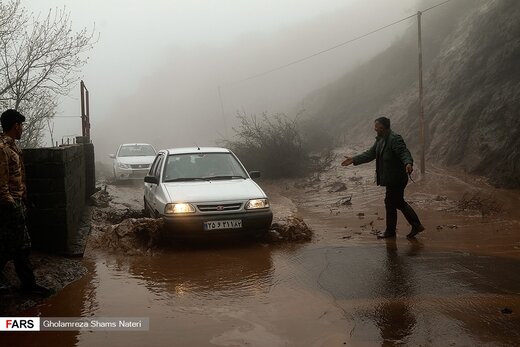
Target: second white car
132	161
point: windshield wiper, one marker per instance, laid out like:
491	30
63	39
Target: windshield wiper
186	179
224	177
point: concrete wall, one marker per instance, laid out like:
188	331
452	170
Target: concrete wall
59	182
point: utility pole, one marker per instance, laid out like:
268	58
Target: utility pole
85	112
421	104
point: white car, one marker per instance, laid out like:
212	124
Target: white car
132	161
205	191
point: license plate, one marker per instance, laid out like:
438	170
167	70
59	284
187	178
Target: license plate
223	224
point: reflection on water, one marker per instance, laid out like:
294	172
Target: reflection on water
177	290
394	316
419	297
75	300
226	272
393	293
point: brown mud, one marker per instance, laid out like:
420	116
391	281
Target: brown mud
457	284
460	212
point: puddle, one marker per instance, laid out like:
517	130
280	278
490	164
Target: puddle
294	295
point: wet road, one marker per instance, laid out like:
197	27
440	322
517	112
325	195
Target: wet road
257	295
344	288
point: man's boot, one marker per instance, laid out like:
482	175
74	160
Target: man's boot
413	220
415	230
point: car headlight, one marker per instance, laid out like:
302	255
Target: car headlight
257	203
123	166
178	208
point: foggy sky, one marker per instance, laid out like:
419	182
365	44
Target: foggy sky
154	74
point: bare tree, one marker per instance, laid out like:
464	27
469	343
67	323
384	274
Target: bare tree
11	21
39	60
39	109
270	143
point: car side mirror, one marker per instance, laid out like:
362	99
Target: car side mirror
113	156
151	179
254	174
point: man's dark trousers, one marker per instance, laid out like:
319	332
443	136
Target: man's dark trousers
22	266
15	243
394	200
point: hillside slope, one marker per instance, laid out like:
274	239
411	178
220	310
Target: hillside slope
472	90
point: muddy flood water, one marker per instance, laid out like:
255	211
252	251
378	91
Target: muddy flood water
458	284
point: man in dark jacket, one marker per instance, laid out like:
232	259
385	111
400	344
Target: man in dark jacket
393	165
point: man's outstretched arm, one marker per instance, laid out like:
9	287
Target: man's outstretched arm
362	158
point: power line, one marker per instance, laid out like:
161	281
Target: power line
323	51
434	6
333	47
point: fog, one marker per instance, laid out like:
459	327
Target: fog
155	72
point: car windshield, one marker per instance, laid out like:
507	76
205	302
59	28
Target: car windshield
202	166
136	151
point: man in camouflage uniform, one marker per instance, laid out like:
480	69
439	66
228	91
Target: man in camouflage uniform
15	243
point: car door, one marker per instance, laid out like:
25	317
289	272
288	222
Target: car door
115	161
151	189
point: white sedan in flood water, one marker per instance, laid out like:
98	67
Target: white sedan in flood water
205	191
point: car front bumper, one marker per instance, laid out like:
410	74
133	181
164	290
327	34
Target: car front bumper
131	174
253	223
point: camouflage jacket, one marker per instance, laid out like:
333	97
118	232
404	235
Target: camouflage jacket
12	171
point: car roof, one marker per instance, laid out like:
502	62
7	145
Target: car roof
135	144
186	150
